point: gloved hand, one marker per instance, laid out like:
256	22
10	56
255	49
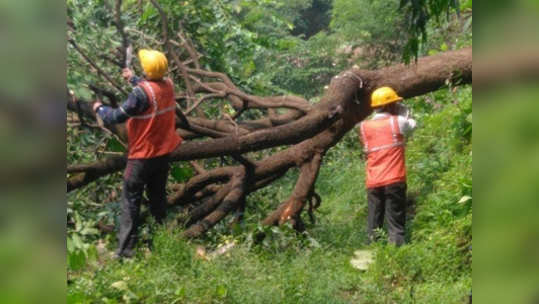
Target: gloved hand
96	105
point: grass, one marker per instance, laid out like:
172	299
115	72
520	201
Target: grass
435	267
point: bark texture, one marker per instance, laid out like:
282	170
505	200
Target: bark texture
308	130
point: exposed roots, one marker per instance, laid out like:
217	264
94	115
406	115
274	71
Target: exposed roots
291	209
232	195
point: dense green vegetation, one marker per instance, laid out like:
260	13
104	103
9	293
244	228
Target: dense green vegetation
314	267
270	47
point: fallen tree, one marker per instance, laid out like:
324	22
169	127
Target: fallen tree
308	130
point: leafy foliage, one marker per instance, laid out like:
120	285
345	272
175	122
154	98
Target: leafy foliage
435	267
365	24
418	14
267	47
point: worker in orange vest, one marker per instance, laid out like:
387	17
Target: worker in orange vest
151	133
383	142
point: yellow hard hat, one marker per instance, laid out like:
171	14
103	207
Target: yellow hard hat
154	63
383	96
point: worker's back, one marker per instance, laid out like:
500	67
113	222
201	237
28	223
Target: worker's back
153	133
384	144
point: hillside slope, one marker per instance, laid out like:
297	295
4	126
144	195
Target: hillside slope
435	267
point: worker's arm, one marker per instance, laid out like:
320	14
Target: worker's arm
363	155
406	125
136	103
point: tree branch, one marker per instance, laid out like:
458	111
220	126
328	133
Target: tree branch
99	71
93	171
120	26
430	73
230	201
292	208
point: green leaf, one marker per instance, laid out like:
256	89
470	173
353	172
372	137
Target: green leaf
92	254
181	173
120	285
70	245
76	260
237	8
180	292
148	11
114	145
221	291
464	199
76	298
88	230
444	47
466	5
77	241
248	68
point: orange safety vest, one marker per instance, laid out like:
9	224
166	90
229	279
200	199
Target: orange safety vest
153	133
384	144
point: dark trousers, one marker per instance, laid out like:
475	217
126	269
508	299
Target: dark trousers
139	174
391	201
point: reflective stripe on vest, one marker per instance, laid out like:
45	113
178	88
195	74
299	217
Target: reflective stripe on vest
153	133
155	112
384	145
396	141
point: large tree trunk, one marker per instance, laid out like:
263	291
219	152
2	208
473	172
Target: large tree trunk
309	131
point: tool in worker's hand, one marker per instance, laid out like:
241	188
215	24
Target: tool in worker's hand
127	73
403	110
96	105
128	56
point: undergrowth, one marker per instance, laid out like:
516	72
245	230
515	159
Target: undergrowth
313	267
